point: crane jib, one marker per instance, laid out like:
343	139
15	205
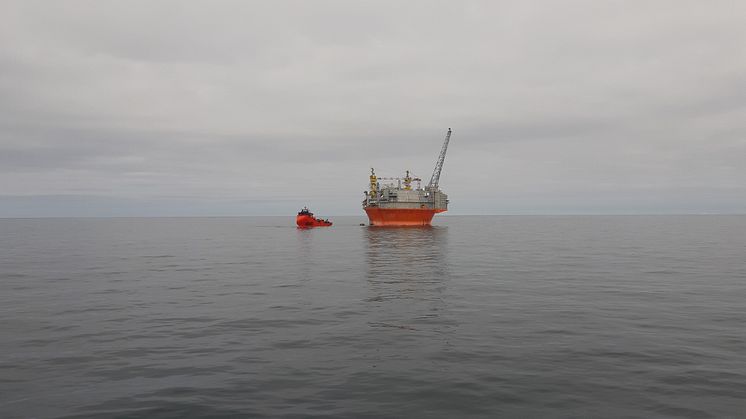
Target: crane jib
439	164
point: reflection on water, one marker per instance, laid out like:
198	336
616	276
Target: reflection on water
309	257
406	263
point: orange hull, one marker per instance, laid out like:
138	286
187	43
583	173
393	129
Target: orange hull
305	221
400	216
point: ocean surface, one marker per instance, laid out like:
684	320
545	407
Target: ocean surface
494	316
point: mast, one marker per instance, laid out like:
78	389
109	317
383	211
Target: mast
433	185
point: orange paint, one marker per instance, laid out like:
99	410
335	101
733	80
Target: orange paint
400	216
307	220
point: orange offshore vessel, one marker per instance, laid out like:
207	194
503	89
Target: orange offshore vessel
305	219
399	204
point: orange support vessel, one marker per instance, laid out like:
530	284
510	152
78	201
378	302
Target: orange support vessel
305	219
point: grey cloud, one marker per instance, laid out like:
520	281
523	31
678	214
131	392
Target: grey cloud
254	107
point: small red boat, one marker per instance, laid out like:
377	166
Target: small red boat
306	219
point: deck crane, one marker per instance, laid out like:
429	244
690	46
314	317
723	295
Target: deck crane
433	184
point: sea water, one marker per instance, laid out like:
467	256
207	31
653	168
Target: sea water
495	316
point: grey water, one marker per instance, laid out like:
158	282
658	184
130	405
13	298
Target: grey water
494	316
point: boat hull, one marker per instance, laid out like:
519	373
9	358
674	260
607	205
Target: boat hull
400	217
306	221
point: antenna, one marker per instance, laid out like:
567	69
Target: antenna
433	185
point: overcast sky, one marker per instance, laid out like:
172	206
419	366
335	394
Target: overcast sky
251	108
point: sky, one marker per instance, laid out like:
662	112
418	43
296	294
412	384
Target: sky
180	108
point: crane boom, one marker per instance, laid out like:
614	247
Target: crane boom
433	185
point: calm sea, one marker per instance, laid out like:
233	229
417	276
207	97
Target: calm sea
537	317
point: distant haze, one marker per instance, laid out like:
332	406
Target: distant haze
139	108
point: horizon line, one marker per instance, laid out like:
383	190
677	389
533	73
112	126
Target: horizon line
579	214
